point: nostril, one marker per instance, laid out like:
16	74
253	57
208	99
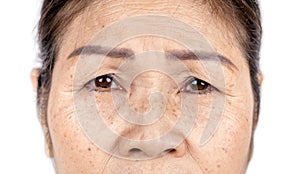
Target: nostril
170	150
135	150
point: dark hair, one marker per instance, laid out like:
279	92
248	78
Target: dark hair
242	15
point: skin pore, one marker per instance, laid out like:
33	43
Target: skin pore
228	149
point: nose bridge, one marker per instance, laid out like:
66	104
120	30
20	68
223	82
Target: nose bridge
143	88
149	141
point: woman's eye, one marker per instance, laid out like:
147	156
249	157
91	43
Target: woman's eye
197	86
103	83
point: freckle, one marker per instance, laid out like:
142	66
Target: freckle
229	102
91	162
89	149
174	115
102	26
224	150
218	166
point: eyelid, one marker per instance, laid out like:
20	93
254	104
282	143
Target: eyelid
218	83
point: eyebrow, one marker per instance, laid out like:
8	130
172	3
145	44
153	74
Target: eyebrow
128	53
110	52
200	55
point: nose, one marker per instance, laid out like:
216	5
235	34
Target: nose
152	139
151	148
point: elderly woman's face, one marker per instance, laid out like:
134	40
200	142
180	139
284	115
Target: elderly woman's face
162	109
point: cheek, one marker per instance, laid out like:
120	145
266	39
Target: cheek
73	152
226	150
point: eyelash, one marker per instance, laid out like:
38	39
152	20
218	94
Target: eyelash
92	85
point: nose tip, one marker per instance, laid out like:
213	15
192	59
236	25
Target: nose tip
148	149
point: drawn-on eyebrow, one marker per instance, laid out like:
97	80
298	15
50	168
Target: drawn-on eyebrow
110	52
179	54
200	55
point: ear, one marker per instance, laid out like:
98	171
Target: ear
35	72
260	78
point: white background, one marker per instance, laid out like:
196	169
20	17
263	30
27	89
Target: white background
277	140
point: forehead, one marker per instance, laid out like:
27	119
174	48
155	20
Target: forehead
103	13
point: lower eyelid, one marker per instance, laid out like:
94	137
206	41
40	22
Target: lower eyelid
97	90
89	87
202	92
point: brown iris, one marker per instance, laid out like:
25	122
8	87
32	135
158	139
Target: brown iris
200	86
104	81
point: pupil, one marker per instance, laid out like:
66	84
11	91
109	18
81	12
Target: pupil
103	81
199	85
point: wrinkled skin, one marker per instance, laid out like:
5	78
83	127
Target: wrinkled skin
227	151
